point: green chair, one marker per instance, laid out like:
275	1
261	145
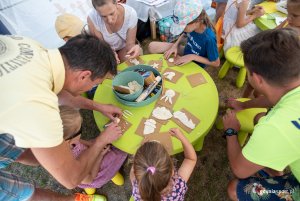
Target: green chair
246	119
234	57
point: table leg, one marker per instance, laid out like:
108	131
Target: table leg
199	144
153	29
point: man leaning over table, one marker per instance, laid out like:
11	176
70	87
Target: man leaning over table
273	69
31	130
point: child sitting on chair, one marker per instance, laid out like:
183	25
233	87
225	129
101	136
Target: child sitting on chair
201	46
153	175
238	22
109	161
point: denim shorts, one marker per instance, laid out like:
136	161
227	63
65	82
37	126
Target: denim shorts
12	187
281	188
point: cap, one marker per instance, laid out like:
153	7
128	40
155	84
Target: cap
68	25
185	11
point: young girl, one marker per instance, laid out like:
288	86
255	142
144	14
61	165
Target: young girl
238	22
115	23
153	175
109	161
201	45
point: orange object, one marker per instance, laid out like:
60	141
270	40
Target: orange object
219	29
213	4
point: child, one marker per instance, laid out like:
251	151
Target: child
153	175
201	45
68	26
238	22
109	161
292	21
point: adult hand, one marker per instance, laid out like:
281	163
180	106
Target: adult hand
111	111
183	60
230	121
234	104
172	50
111	133
117	57
134	52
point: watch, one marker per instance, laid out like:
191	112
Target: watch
229	132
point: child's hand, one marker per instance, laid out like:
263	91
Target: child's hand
175	132
111	133
259	11
105	150
183	60
234	104
169	52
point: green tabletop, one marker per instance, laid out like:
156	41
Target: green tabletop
202	101
267	21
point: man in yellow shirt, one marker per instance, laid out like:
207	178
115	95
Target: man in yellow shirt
30	79
273	69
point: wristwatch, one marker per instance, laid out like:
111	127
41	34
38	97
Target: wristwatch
229	132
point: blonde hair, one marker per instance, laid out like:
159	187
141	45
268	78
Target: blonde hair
204	19
71	120
152	183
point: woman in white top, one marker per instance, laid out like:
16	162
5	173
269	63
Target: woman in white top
238	22
116	24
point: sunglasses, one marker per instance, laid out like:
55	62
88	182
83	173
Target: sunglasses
75	134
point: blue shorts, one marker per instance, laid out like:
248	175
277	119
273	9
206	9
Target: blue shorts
281	188
220	1
12	187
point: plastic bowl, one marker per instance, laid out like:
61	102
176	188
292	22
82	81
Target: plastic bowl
148	100
124	78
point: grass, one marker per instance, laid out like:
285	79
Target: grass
208	181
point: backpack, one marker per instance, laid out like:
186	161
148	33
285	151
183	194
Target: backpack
164	26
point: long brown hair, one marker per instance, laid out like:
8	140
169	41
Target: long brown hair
151	183
204	19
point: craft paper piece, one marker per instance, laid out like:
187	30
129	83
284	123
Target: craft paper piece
190	116
141	127
170	62
279	20
135	61
168	74
163	138
196	79
125	125
161	114
164	101
157	64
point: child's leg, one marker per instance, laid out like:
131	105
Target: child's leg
159	47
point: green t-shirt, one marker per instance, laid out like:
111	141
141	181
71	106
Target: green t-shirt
275	142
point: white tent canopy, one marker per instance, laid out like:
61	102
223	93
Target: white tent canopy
36	18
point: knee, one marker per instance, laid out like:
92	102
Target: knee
231	189
152	48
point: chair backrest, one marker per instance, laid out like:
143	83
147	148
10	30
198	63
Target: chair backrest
219	30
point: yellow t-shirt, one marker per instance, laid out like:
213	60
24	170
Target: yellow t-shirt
275	142
30	78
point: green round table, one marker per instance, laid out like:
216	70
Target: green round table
202	101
